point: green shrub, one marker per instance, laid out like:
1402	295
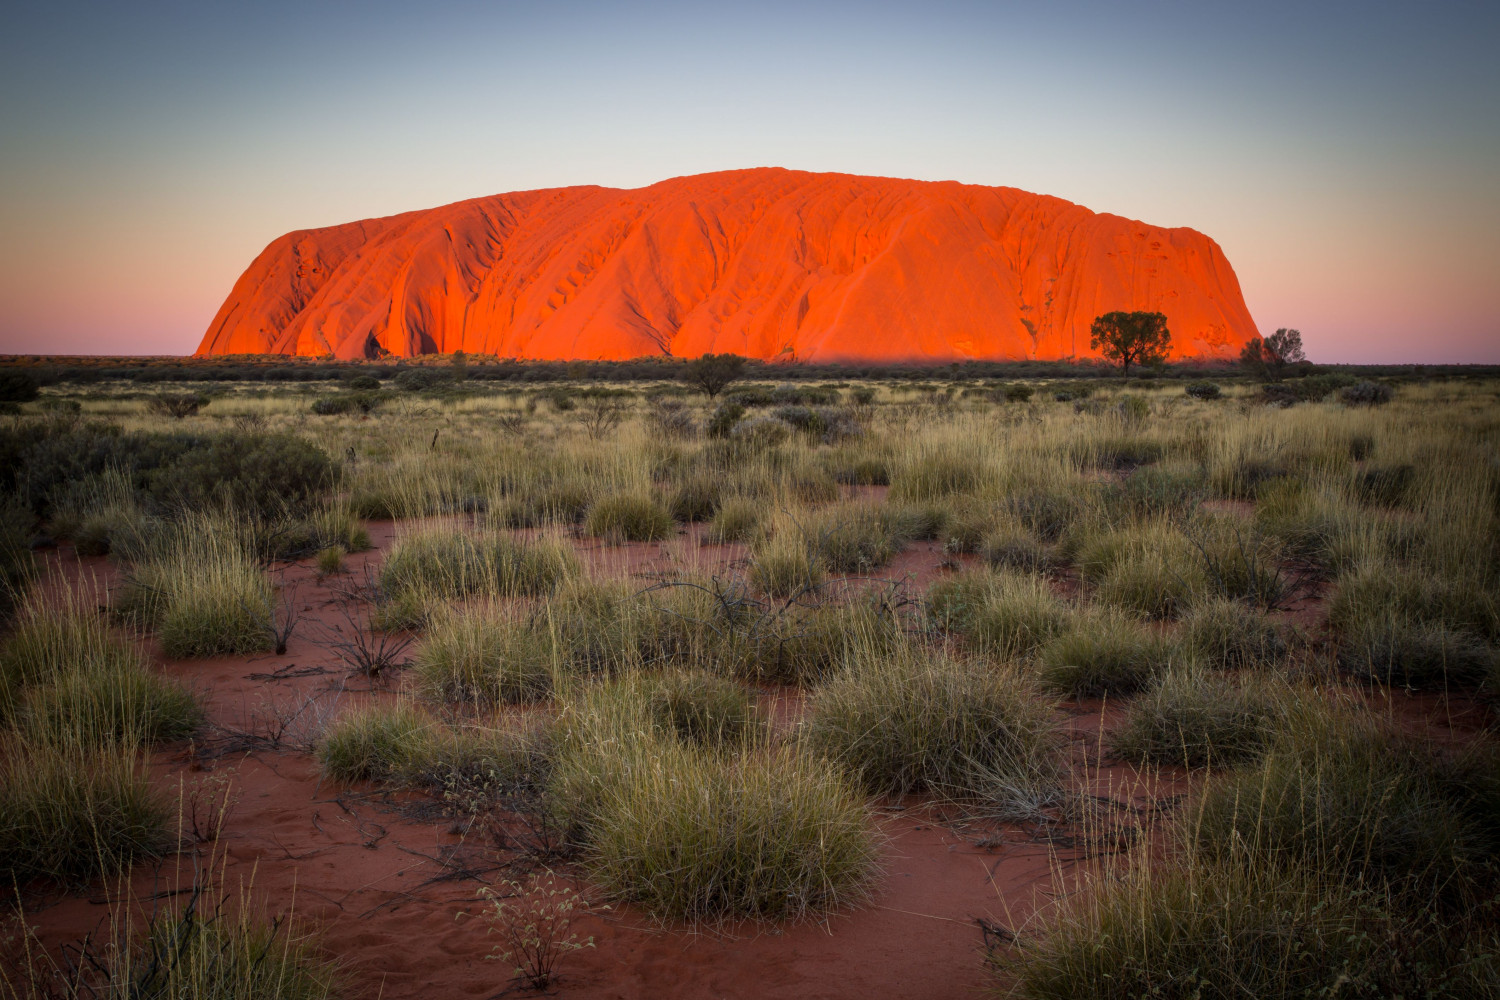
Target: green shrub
1203	390
254	472
71	814
911	722
854	537
1366	394
18	386
381	743
1105	653
628	517
485	656
1231	635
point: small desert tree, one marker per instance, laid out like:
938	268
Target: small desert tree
1131	338
712	372
1268	358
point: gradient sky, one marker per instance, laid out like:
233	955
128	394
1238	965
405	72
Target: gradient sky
1346	156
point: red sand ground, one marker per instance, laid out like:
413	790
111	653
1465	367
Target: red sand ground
387	892
766	263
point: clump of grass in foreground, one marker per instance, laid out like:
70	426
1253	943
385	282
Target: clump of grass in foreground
911	722
1193	718
103	708
1344	795
70	813
736	520
703	833
1190	930
628	517
377	743
855	537
702	708
1106	653
488	656
1231	635
225	953
53	642
202	592
439	562
783	567
766	833
1003	613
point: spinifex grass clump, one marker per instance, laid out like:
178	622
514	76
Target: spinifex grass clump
105	708
1106	653
444	563
486	655
855	537
1231	635
214	947
202	592
65	676
69	812
1344	795
1187	930
783	567
703	708
377	743
1399	625
910	721
936	475
705	833
628	517
1003	613
1150	569
1193	718
736	520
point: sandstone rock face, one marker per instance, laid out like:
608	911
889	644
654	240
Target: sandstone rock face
766	263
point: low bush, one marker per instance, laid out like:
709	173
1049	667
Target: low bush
1366	394
1203	390
628	517
912	722
254	472
18	386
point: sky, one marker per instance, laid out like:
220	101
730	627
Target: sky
1346	156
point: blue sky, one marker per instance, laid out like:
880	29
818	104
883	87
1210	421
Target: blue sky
1346	157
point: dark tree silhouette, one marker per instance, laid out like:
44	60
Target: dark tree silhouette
712	372
1269	358
1131	338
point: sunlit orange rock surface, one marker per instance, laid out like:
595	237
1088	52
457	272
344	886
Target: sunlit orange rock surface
767	263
